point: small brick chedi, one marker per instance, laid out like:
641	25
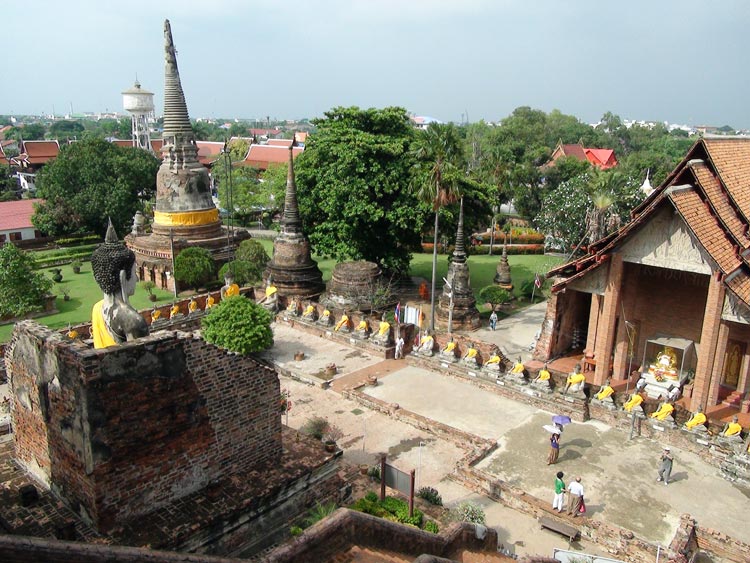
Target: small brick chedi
185	214
465	313
292	269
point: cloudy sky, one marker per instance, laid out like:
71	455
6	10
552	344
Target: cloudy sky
684	61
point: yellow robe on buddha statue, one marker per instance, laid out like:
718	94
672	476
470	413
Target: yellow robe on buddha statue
604	392
633	402
695	420
663	411
99	331
733	428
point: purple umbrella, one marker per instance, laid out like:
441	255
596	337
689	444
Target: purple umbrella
561	419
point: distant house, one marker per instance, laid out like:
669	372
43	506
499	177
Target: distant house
35	154
602	159
15	220
263	156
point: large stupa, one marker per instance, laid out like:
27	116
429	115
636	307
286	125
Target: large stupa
184	214
292	269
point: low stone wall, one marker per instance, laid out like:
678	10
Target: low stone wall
347	528
719	544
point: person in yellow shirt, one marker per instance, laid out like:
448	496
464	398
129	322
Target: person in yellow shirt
635	401
605	392
732	430
697	422
344	325
664	411
575	381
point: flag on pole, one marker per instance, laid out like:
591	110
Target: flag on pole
397	313
537	280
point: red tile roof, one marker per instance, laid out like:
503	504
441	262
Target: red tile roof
16	215
39	152
209	151
261	156
280	142
601	158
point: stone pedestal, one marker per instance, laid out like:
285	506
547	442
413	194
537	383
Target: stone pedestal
354	285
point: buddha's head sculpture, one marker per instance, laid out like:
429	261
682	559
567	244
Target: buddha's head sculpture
113	319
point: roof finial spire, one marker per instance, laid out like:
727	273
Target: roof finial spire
291	222
459	252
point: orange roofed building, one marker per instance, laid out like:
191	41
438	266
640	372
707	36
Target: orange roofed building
603	159
668	294
263	156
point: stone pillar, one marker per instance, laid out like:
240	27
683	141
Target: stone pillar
718	369
596	307
605	333
543	350
742	383
708	343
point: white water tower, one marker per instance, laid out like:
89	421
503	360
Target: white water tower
139	103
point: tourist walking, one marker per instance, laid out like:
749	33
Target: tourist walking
399	347
665	467
558	501
554	448
575	490
493	320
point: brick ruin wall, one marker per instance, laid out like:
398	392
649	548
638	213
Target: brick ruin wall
122	431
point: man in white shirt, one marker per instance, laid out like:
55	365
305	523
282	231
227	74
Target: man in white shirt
576	496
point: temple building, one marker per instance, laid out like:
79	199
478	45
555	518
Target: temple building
185	214
292	269
457	306
668	294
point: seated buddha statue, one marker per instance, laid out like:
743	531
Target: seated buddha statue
543	378
635	401
493	362
665	364
575	381
449	350
732	430
113	319
426	345
192	306
325	318
229	289
697	422
471	356
363	329
174	311
518	369
155	314
383	336
210	302
310	313
606	392
664	412
293	308
344	324
270	299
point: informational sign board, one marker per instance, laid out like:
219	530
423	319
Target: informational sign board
397	479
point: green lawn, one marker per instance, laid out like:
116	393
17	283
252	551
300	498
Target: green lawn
84	292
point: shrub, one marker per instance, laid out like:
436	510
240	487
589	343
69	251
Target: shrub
394	504
244	273
431	526
295	531
333	434
430	495
374	472
369	507
239	325
315	426
22	290
468	512
414	520
494	295
320	511
194	266
148	286
372	496
252	252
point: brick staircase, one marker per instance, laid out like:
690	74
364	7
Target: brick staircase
734	400
358	554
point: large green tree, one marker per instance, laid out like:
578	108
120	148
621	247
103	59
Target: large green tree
22	290
194	267
353	187
90	181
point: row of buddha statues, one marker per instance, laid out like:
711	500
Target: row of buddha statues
379	332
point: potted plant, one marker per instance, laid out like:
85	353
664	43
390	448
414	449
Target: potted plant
149	286
332	435
65	292
76	265
330	369
56	275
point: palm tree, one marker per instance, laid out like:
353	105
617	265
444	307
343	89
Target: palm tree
439	154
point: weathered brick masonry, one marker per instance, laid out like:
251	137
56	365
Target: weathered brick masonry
122	431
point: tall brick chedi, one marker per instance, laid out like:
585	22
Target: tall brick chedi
185	214
292	269
465	313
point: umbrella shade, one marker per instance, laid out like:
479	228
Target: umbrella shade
551	429
561	419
